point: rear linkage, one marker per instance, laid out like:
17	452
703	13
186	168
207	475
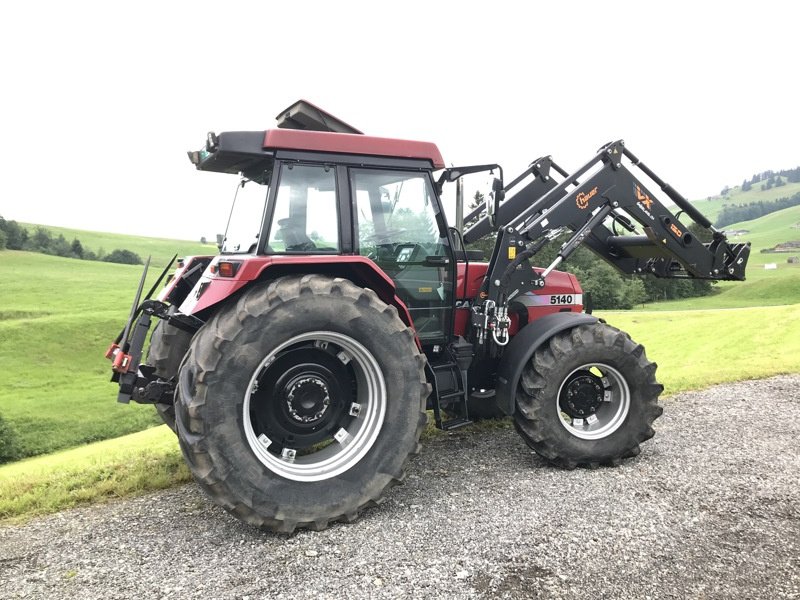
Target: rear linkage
139	382
544	209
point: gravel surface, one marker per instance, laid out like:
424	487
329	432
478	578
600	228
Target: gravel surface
710	509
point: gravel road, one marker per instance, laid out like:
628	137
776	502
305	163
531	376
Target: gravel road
710	509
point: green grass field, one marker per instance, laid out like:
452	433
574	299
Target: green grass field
143	461
711	208
57	317
771	229
698	348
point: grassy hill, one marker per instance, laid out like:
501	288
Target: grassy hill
161	249
762	287
713	206
57	317
772	229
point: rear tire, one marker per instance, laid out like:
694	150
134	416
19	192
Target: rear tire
300	404
168	346
588	397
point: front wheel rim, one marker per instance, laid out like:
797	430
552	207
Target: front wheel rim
324	416
593	401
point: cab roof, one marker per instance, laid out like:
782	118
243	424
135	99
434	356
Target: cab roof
349	143
304	127
240	151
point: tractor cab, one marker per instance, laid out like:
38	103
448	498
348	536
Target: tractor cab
307	194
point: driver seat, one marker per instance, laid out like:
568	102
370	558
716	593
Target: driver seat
294	236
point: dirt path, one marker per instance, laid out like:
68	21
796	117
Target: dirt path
710	509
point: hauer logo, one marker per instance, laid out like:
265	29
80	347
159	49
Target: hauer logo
582	199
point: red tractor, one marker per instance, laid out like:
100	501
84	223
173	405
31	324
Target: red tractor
297	365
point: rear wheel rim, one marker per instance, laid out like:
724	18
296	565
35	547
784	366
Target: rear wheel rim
593	401
314	406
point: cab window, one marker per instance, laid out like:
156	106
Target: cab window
305	217
396	221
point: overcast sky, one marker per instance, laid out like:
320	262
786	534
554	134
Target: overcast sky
100	101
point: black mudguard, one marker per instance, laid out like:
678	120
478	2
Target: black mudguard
521	348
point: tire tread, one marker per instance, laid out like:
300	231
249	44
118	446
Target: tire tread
204	355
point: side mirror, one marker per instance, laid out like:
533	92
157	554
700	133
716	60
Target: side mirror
212	142
493	201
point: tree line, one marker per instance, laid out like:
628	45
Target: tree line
770	179
16	237
735	213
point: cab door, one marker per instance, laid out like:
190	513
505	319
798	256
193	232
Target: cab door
398	224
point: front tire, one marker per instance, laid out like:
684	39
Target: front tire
588	397
300	404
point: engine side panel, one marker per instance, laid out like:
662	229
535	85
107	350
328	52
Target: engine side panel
562	293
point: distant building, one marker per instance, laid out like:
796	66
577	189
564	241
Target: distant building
787	247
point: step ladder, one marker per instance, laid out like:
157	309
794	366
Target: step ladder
449	383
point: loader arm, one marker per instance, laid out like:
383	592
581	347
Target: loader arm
584	204
603	192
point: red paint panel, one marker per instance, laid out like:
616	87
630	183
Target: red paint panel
348	143
211	291
558	283
474	274
253	268
462	321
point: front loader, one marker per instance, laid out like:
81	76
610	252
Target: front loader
298	365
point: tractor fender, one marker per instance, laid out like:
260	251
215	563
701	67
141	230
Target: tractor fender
211	290
521	348
358	269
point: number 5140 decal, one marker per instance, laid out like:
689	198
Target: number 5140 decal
562	299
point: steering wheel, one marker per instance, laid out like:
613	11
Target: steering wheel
385	238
